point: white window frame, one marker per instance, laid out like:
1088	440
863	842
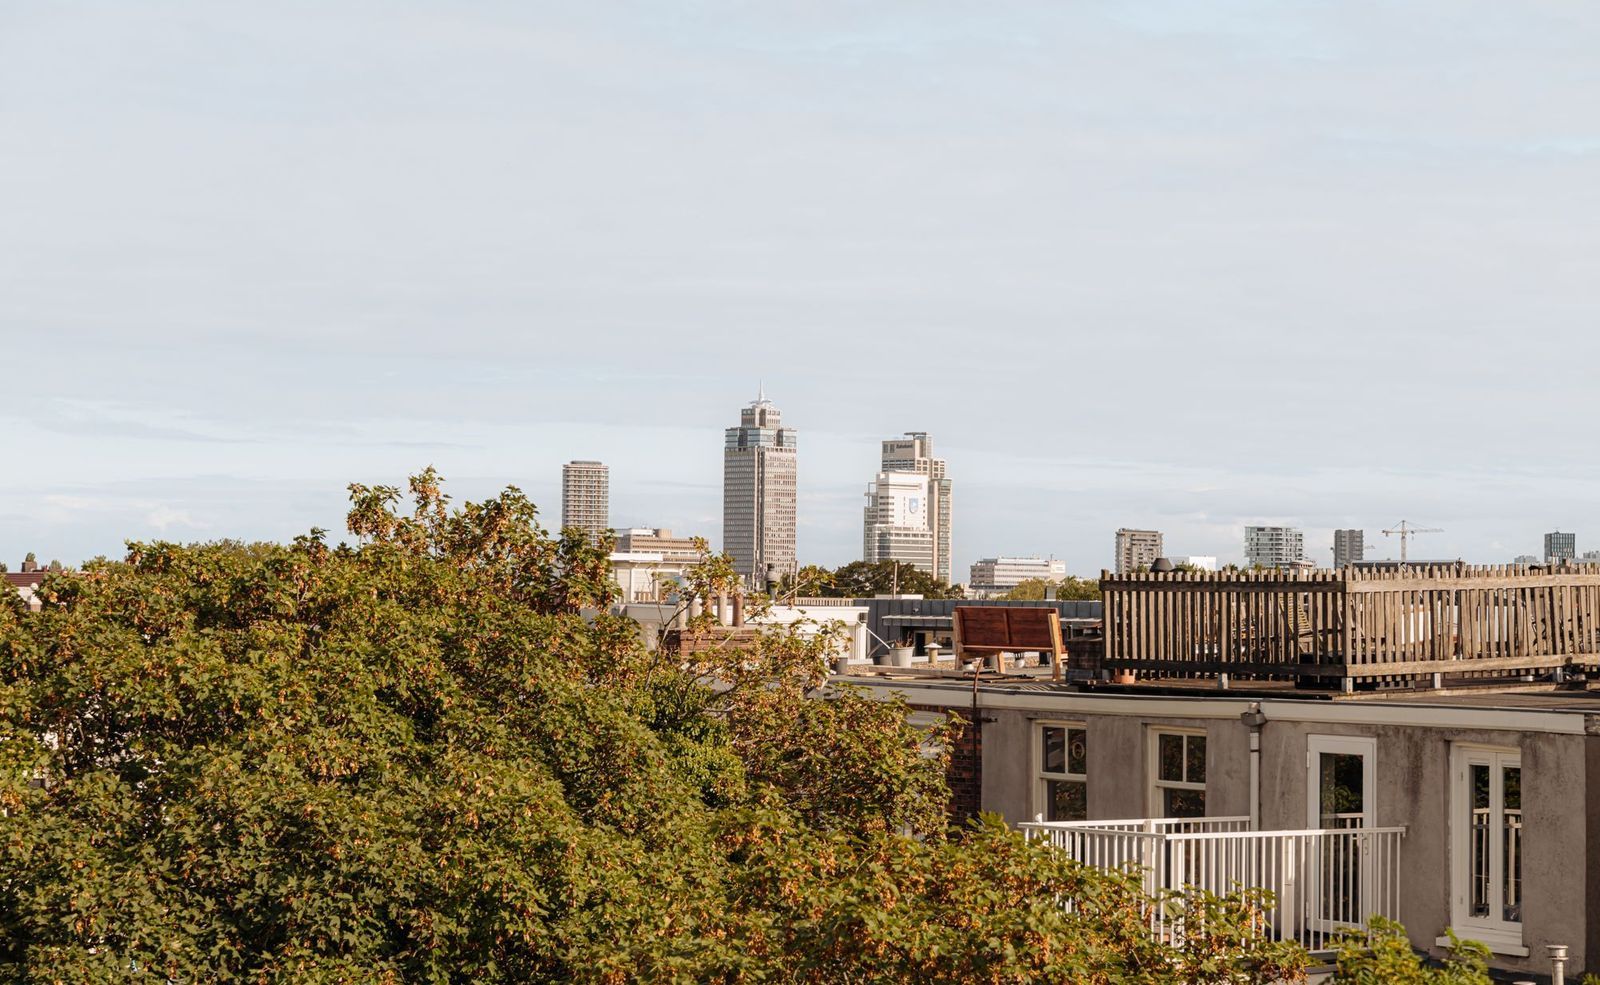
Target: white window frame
1153	768
1041	779
1501	936
1366	747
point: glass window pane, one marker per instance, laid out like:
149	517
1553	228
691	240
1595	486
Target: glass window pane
1183	803
1169	754
1077	752
1341	793
1478	854
1194	766
1511	843
1067	800
1055	750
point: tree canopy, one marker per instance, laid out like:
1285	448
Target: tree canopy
412	758
1068	588
864	579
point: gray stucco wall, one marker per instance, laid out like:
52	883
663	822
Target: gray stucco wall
1116	767
1413	784
1008	764
1118	749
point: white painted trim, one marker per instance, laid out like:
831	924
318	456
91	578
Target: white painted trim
1494	944
1152	766
1310	712
1366	747
1501	936
1036	761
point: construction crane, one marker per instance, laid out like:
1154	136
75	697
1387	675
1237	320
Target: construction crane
1406	532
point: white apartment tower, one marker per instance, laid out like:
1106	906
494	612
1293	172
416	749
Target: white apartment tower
586	499
1273	547
914	454
1349	546
759	484
895	523
1137	549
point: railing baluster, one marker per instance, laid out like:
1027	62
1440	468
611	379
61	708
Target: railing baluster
1321	880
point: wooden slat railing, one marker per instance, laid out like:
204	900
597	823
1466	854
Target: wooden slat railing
1353	623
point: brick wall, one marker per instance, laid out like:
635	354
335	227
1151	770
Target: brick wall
965	773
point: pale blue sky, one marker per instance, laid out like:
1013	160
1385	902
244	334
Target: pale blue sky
1180	265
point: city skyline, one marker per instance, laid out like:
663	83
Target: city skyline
639	501
246	263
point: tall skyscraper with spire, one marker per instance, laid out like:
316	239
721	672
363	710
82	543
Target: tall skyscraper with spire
910	455
759	486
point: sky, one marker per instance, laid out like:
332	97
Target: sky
1148	264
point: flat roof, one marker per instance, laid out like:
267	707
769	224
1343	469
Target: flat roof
1577	697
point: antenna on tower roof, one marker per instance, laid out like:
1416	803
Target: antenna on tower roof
761	390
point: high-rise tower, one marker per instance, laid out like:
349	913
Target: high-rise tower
1273	547
1137	549
1560	547
914	454
759	493
896	523
586	499
1349	546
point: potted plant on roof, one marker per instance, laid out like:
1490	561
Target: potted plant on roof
900	653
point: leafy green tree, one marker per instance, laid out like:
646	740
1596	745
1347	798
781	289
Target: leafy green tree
1381	954
811	581
864	579
984	908
412	758
1069	588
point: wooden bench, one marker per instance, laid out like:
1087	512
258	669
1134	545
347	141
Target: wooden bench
1001	629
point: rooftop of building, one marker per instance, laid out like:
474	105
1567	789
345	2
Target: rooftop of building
1578	697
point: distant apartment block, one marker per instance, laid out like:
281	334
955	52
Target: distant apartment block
645	576
759	491
1349	547
1525	559
895	523
1274	547
1137	549
1560	547
914	453
1197	562
586	498
996	575
657	540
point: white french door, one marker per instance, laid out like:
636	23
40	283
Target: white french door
1486	844
1340	796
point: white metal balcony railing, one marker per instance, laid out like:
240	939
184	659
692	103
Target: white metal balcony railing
1322	880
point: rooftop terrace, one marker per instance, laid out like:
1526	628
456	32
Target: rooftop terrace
1353	626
